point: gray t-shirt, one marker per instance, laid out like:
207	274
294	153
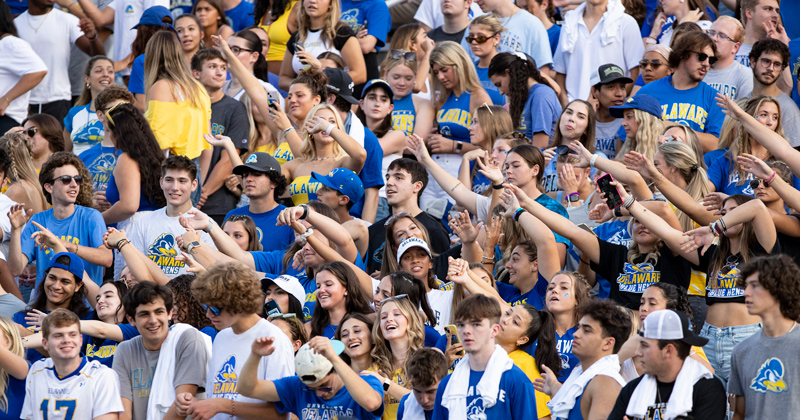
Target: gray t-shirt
228	118
136	366
606	135
10	304
743	55
734	81
790	119
764	370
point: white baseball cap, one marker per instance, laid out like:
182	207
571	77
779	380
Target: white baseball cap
289	284
312	367
411	243
670	325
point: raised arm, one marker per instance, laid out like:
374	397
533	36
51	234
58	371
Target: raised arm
559	224
458	272
362	393
468	234
195	219
356	154
18	217
15	366
100	329
617	169
547	254
772	141
142	268
249	385
791	197
329	254
335	232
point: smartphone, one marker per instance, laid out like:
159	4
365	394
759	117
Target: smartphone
586	227
451	329
272	98
272	308
613	199
299	45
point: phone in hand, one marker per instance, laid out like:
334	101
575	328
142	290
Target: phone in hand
272	98
613	198
453	331
272	309
299	46
586	227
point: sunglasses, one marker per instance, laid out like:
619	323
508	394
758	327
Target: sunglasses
66	179
236	50
31	131
391	219
655	64
284	316
325	389
756	182
703	57
405	55
479	38
563	150
398	297
215	311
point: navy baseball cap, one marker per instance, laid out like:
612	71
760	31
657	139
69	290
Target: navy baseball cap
378	83
642	102
258	161
75	265
154	16
340	83
343	180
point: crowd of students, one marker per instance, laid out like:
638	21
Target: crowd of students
429	209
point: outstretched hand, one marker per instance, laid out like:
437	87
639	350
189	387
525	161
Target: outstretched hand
463	228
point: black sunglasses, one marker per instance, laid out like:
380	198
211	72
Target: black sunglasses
754	183
703	57
66	179
31	131
400	54
480	38
563	150
655	64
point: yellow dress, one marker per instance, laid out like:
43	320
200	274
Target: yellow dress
302	190
179	127
527	363
282	153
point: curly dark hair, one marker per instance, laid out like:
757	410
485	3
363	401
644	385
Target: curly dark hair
519	71
111	94
778	274
677	298
58	160
315	81
426	367
768	46
77	302
146	292
50	128
356	301
614	322
133	136
189	310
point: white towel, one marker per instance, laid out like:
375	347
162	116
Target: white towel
680	401
611	21
454	398
162	392
412	410
565	398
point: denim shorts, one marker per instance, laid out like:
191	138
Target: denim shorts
721	342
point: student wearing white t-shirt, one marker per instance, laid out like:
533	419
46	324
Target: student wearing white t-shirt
51	33
231	294
20	71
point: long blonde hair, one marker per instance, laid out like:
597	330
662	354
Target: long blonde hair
681	156
742	139
9	329
328	30
21	169
308	150
163	59
450	54
646	139
415	330
255	129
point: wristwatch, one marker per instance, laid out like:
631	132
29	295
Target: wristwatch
386	384
574	197
192	246
459	146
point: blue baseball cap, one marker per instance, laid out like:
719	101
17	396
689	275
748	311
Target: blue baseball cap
343	180
376	83
642	102
75	265
154	16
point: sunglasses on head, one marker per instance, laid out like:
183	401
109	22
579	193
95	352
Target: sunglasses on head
703	57
405	55
67	179
31	131
398	297
479	38
391	219
215	311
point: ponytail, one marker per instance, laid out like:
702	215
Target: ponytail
520	67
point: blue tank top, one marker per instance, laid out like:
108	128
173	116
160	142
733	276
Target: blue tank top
491	89
112	195
403	114
454	117
575	413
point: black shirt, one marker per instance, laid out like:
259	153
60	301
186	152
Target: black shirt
440	239
438	35
708	400
722	283
628	281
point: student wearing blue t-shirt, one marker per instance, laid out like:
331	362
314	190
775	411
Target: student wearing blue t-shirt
534	111
239	15
81	124
483	37
372	16
486	384
81	229
101	159
325	386
683	95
